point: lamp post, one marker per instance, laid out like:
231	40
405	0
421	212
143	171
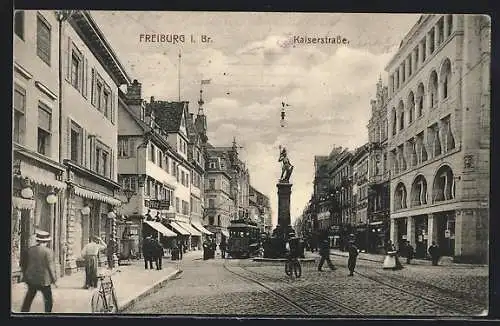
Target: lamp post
112	221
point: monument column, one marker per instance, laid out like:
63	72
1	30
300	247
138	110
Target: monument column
284	193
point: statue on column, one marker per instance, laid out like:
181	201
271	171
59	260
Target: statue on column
286	166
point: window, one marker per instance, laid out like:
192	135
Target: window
75	71
76	143
177	204
211	203
185	207
211	184
106	104
19	23
167	164
123	147
152	153
44	128
43	39
211	165
98	96
449	18
424	49
160	158
433	89
19	114
431	41
102	160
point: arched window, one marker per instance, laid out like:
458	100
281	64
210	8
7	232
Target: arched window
401	109
411	107
394	121
443	187
400	196
420	100
433	89
445	77
419	191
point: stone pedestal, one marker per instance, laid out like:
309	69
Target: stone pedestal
284	228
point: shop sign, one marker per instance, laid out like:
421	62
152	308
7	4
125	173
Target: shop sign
447	233
157	204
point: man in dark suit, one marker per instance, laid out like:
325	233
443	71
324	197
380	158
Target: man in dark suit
39	272
147	252
324	252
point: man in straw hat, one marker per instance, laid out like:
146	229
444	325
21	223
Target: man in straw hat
39	271
91	253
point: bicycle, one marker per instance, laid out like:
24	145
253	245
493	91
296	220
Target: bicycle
293	267
104	298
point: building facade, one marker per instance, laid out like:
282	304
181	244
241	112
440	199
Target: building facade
438	144
38	187
360	177
260	210
378	183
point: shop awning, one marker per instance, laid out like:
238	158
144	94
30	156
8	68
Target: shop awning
82	192
161	228
40	176
201	228
189	228
376	223
179	229
225	233
22	203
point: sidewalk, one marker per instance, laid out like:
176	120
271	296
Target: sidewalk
380	258
131	284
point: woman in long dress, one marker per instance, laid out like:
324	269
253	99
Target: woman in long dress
391	260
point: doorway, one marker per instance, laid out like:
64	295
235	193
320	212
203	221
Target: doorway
446	233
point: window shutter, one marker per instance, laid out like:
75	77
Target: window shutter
112	107
92	88
85	77
68	60
84	147
112	164
68	139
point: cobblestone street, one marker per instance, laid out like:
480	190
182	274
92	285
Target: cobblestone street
245	287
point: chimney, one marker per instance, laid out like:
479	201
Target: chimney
134	93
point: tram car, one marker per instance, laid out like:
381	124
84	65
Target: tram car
244	239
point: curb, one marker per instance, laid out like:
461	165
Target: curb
155	287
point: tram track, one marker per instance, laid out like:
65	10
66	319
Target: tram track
310	297
413	291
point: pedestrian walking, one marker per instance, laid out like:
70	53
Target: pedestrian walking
110	250
222	248
39	272
410	252
181	249
158	254
147	252
353	255
391	260
324	252
434	253
90	255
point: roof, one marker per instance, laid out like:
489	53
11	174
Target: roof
167	114
92	35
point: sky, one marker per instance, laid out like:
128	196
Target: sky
253	67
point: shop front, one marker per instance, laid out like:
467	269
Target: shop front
421	242
378	234
205	233
91	207
446	232
36	205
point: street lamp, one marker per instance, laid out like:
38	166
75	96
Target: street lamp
51	197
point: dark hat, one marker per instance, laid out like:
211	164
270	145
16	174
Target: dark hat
42	236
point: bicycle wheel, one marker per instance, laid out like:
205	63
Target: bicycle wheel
112	302
288	269
97	302
297	269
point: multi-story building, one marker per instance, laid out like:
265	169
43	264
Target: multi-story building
37	198
219	200
378	191
260	210
341	191
172	118
92	74
360	177
439	139
320	205
145	160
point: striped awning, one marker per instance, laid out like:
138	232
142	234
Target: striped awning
161	228
22	203
189	228
200	227
85	193
179	229
40	176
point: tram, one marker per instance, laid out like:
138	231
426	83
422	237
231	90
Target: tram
244	239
